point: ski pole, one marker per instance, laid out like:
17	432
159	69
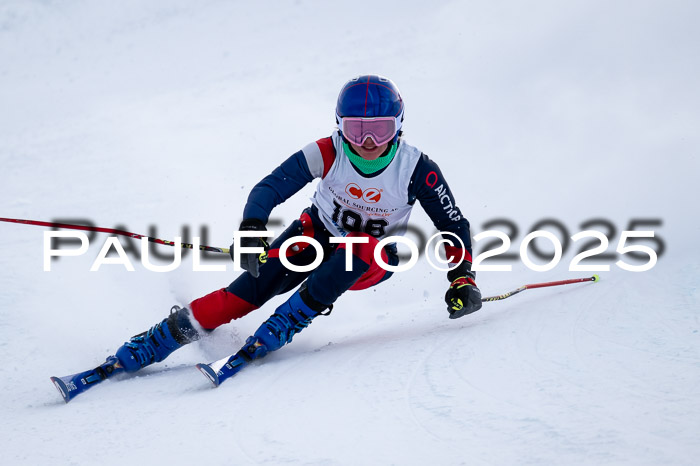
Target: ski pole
111	231
594	278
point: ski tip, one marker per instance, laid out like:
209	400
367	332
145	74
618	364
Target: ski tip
209	373
62	388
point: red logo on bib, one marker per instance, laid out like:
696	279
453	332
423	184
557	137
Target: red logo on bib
370	195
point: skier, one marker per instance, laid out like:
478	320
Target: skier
370	180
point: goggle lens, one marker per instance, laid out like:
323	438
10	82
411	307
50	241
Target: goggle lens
357	130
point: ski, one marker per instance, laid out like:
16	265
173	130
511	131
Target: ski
221	370
73	385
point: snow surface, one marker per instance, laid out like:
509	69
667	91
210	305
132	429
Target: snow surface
166	113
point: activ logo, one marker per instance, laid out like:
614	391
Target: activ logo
369	195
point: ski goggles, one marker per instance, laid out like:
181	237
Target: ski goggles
357	129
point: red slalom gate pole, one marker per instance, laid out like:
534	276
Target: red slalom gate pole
594	278
110	231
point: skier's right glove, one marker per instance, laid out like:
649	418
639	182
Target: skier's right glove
251	262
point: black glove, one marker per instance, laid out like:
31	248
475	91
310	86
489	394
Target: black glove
250	262
463	297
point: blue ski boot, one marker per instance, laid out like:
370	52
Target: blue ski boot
159	341
152	346
289	319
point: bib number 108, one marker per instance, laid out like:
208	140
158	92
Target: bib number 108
352	221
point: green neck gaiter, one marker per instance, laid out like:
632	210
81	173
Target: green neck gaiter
370	166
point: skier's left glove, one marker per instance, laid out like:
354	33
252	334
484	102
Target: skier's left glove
463	297
251	262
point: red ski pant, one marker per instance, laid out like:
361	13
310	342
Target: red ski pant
325	284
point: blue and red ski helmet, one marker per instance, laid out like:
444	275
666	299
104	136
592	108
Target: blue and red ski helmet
370	96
